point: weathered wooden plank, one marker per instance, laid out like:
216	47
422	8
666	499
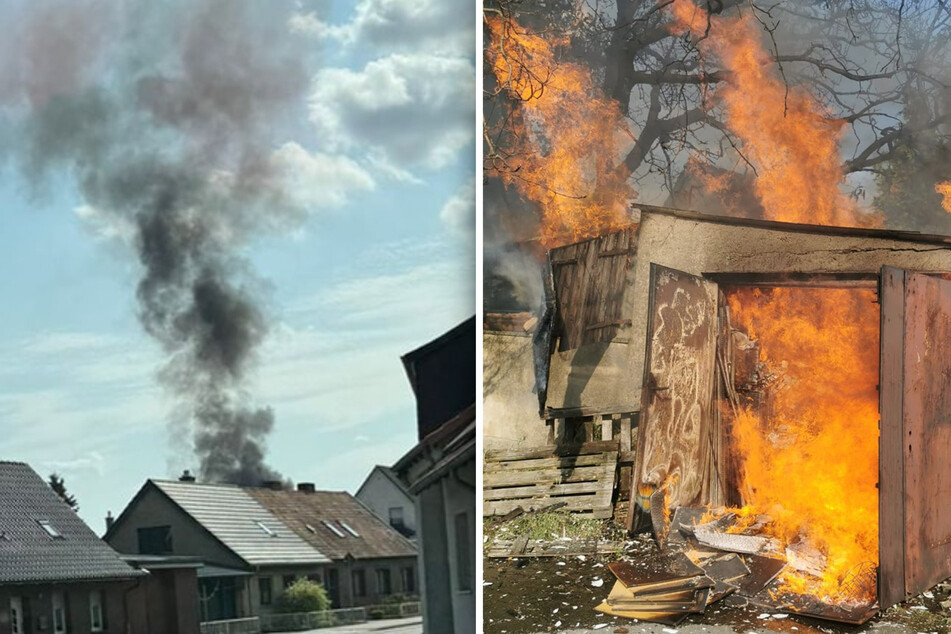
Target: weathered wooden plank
519	545
607	428
563	462
550	490
624	434
597	447
596	504
495	479
613	323
891	505
926	400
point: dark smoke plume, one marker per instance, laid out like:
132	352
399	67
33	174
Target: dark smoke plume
168	115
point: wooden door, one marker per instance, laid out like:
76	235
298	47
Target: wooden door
915	438
675	434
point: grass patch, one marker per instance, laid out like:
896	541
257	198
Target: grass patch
921	620
547	526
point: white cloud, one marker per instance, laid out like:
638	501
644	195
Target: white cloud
436	26
317	180
91	461
411	110
458	214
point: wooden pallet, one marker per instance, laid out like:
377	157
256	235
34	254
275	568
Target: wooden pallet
582	476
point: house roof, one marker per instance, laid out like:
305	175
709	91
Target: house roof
322	518
450	445
31	554
239	522
389	475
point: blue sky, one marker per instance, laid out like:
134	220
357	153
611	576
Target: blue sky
379	153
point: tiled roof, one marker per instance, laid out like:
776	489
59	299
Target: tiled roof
309	513
242	524
29	554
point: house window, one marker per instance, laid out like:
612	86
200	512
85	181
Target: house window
359	583
264	589
409	579
396	517
97	621
16	615
333	529
59	613
289	580
155	540
50	529
383	584
463	558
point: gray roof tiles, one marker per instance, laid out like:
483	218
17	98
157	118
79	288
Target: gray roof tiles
242	524
28	554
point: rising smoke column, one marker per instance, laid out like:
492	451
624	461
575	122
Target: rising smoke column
168	116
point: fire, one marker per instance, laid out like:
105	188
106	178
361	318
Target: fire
784	132
567	143
810	459
944	188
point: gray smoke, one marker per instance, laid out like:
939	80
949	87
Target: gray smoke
169	126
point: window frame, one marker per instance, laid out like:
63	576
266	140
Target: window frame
268	583
463	555
384	582
58	607
359	587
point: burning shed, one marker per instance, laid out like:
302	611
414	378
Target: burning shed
791	374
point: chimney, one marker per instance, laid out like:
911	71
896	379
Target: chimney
110	520
274	485
186	476
307	487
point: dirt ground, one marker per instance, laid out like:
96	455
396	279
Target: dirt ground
558	594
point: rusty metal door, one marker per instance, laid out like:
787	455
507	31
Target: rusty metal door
916	418
674	437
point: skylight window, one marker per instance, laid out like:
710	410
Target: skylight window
267	531
349	529
50	529
333	529
310	528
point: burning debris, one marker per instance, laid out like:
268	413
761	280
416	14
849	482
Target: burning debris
167	122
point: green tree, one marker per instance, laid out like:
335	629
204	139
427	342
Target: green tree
302	596
57	483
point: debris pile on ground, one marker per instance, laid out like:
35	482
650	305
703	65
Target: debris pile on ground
702	562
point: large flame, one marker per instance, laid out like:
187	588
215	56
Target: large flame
784	132
810	459
567	139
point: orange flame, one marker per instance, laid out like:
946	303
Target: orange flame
784	132
810	458
944	188
567	143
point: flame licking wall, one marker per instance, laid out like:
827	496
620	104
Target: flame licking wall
165	114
